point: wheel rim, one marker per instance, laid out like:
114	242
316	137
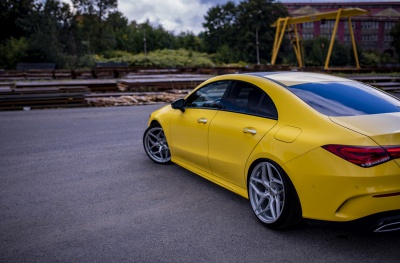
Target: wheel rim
266	192
156	145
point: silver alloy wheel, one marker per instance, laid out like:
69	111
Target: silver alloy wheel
267	192
156	145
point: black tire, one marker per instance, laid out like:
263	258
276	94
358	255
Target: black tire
155	144
272	196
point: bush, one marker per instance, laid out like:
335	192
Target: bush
370	59
13	51
165	58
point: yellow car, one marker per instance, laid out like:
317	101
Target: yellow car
297	145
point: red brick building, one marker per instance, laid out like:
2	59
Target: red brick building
372	32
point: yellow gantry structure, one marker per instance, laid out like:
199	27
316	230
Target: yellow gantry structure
289	24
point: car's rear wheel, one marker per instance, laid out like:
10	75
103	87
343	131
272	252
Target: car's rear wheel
155	144
272	196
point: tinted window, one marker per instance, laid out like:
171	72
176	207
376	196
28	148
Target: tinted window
208	96
247	98
345	98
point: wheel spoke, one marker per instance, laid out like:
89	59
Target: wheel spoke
257	180
270	174
276	180
257	191
264	175
271	207
258	205
152	136
278	207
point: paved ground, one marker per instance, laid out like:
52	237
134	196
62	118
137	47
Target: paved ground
76	186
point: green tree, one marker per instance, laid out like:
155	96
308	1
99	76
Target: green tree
50	32
220	26
13	51
232	30
45	27
189	41
340	55
91	28
117	25
12	12
395	33
99	8
256	17
315	51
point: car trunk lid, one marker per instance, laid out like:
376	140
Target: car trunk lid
384	129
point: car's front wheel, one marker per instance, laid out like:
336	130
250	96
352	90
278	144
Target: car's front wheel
155	144
272	196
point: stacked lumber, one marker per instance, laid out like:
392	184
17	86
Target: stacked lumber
14	98
8	75
37	70
160	82
111	70
134	99
94	85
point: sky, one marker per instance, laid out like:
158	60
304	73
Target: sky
182	15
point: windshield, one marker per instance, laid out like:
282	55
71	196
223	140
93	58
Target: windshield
345	98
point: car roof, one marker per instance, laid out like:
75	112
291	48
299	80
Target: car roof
289	78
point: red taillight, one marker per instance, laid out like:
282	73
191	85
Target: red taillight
394	151
364	156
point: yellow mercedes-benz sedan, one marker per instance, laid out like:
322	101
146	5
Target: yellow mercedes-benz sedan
297	145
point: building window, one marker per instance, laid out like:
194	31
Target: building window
308	25
327	24
308	36
388	38
369	25
389	25
346	25
369	38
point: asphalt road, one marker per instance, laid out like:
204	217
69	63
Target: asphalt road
76	186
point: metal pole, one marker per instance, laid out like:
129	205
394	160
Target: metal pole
328	57
280	32
353	43
257	43
144	41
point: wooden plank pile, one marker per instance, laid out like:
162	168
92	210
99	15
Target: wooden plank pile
15	98
110	70
37	70
134	98
162	82
94	85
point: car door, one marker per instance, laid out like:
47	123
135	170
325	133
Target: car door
248	114
189	129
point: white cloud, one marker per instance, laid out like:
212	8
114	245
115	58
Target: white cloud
173	15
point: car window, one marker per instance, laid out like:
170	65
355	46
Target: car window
246	98
345	98
208	96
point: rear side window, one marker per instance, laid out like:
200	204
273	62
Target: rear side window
249	99
345	98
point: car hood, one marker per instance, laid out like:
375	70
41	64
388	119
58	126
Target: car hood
384	129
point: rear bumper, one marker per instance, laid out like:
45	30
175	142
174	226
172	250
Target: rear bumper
333	189
379	223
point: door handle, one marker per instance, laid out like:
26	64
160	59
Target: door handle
202	120
251	131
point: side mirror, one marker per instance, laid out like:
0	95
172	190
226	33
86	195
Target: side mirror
179	104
